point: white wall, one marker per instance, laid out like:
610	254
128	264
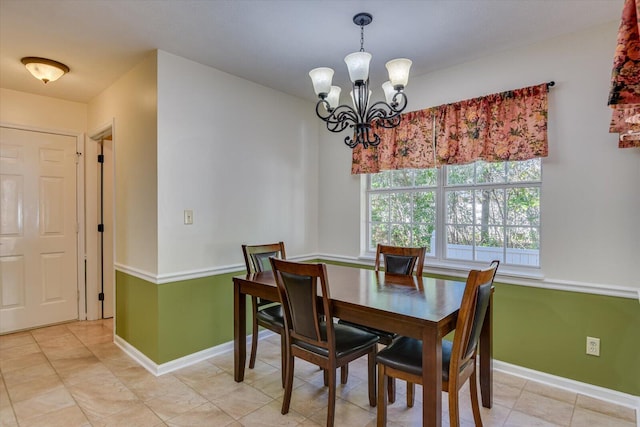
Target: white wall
242	156
130	103
590	196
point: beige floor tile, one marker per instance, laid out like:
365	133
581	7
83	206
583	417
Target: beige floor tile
102	399
347	413
510	380
51	332
199	372
15	340
271	385
308	399
356	392
20	362
552	392
34	387
551	410
242	401
505	394
260	370
107	350
606	408
270	415
216	387
135	414
175	403
58	353
64	342
81	377
7	417
65	417
45	403
519	419
586	418
18	376
151	386
204	415
19	351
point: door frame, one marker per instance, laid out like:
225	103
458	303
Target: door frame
80	203
94	139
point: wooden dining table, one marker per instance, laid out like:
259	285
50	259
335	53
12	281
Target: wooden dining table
420	307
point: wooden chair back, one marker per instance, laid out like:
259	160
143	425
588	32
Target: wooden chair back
256	257
400	260
473	308
305	319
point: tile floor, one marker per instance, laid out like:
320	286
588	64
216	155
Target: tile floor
73	375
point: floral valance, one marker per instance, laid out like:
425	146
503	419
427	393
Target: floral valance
624	96
504	126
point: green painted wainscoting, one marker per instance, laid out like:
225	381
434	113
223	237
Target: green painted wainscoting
541	329
546	330
173	320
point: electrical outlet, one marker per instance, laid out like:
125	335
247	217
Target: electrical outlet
188	217
593	346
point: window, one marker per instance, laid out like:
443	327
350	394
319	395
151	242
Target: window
483	211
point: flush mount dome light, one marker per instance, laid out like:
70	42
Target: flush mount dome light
46	70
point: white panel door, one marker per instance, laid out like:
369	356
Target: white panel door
38	229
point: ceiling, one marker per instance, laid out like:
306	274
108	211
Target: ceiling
271	42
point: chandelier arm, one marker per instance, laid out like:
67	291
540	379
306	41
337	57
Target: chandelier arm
335	115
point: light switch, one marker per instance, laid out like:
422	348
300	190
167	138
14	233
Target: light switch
188	217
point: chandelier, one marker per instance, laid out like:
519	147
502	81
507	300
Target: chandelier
361	116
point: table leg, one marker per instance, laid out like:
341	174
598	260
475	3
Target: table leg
486	356
431	378
239	332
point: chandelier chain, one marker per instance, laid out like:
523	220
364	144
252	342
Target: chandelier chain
361	38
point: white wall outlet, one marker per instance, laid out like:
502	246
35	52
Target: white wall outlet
188	217
593	346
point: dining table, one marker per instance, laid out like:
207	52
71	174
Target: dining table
424	308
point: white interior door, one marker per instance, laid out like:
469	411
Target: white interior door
38	229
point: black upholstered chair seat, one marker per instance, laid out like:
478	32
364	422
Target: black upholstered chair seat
348	340
272	315
406	354
384	337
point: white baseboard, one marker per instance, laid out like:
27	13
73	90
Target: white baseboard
182	362
613	396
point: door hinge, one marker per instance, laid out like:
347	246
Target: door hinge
100	158
101	296
78	154
100	228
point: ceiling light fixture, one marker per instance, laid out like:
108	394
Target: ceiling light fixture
44	69
361	115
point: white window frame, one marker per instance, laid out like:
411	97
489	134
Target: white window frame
440	264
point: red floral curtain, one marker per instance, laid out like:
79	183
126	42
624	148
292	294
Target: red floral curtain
505	126
408	146
624	96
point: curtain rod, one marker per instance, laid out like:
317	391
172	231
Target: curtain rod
550	84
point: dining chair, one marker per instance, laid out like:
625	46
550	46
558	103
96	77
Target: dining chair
403	358
399	260
311	333
267	314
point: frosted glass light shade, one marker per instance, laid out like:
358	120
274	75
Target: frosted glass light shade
358	65
389	91
321	79
399	71
334	96
45	69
